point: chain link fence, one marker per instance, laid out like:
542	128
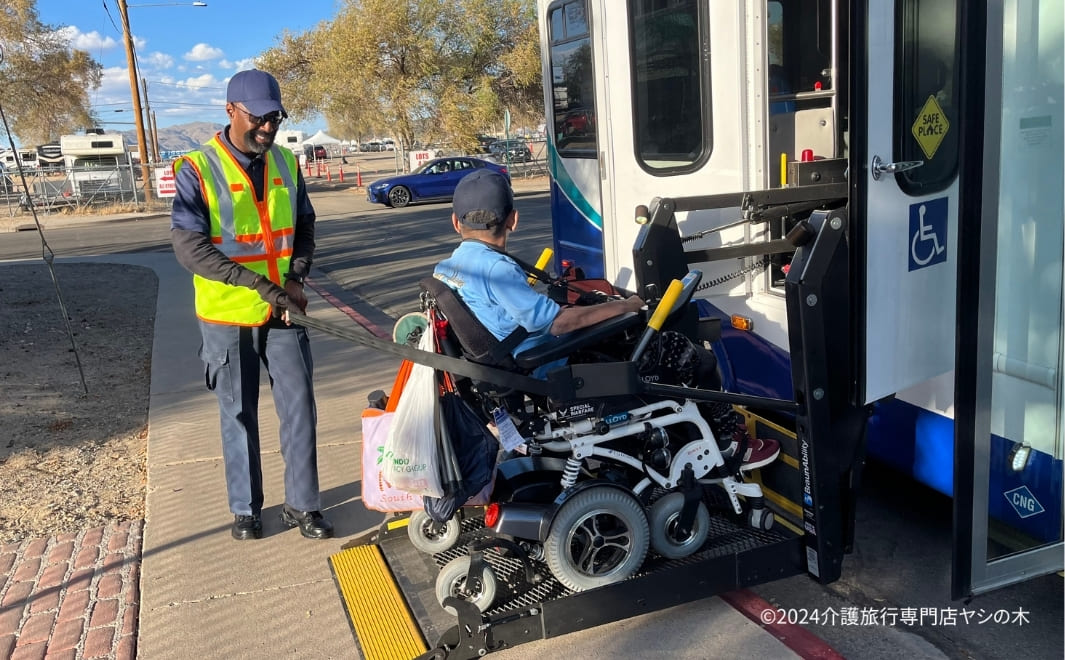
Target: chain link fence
77	190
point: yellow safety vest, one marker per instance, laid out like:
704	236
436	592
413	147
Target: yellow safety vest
257	235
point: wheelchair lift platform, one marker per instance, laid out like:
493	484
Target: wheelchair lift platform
388	589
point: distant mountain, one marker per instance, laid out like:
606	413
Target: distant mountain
181	137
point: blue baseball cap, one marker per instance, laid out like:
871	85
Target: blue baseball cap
484	190
257	91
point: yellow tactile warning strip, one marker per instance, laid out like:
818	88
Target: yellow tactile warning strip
381	619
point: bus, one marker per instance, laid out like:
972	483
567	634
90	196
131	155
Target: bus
939	124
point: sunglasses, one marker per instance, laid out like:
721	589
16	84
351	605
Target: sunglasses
274	118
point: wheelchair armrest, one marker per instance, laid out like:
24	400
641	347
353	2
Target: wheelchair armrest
576	340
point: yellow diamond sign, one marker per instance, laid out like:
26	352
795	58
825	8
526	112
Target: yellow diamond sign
930	127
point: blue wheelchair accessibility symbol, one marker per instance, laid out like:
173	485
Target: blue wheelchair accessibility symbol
928	233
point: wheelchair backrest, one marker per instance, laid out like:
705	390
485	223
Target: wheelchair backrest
478	344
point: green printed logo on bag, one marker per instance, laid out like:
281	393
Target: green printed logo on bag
381	455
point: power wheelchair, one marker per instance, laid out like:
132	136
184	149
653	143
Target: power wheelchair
597	484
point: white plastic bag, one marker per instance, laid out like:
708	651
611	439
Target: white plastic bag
411	463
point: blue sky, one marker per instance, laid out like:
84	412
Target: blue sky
186	53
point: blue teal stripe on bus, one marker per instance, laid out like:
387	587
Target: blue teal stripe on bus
562	179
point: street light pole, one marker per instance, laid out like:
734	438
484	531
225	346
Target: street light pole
142	143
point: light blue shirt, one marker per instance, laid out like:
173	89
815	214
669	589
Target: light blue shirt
497	291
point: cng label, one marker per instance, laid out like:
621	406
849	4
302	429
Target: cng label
1023	502
930	127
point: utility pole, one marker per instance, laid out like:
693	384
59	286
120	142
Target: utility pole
151	123
155	138
142	143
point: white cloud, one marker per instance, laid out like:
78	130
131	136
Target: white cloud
197	82
159	60
87	41
239	65
202	52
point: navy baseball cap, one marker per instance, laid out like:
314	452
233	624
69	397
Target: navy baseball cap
484	190
257	91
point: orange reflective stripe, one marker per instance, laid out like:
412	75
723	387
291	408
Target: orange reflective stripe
252	238
236	187
287	252
272	254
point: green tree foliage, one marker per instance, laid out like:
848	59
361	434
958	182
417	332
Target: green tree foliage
46	83
416	69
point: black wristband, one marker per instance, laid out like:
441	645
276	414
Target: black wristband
294	277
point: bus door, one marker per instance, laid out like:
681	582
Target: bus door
1010	401
905	142
646	100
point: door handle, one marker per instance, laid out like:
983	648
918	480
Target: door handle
879	167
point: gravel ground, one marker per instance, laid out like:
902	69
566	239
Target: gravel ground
70	460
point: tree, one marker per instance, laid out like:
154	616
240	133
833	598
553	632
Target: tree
46	83
425	69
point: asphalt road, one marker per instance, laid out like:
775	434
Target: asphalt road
374	256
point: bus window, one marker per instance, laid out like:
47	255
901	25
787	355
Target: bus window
926	91
572	84
671	84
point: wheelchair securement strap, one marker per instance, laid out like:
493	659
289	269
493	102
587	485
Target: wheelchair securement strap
453	365
506	346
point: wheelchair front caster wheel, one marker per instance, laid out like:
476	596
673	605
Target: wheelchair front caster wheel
666	536
430	537
761	519
453	580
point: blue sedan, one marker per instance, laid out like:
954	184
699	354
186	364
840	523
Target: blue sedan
433	181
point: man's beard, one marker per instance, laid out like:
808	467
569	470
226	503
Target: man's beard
255	146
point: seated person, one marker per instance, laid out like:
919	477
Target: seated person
493	285
497	291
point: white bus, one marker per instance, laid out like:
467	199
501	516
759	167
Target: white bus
901	104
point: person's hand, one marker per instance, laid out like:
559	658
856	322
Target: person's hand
633	303
296	299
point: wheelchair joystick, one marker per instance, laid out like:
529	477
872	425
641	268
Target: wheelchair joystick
665	306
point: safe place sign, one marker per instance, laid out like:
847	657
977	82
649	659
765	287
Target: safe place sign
930	127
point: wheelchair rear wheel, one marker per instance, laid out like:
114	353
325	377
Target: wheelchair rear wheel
598	537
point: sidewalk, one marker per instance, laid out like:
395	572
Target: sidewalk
204	595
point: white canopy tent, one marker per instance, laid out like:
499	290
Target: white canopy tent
321	137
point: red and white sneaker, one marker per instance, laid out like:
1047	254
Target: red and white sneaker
759	453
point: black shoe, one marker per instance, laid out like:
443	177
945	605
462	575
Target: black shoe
247	527
311	523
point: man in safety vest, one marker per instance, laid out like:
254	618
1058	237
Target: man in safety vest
243	225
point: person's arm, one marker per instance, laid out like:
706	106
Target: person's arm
575	318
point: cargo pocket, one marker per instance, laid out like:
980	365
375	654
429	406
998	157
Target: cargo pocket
216	373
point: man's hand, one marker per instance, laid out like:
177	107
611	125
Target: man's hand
296	298
633	304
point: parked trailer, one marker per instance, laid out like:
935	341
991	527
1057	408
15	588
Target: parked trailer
98	166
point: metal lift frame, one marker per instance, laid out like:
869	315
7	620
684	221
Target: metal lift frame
829	428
